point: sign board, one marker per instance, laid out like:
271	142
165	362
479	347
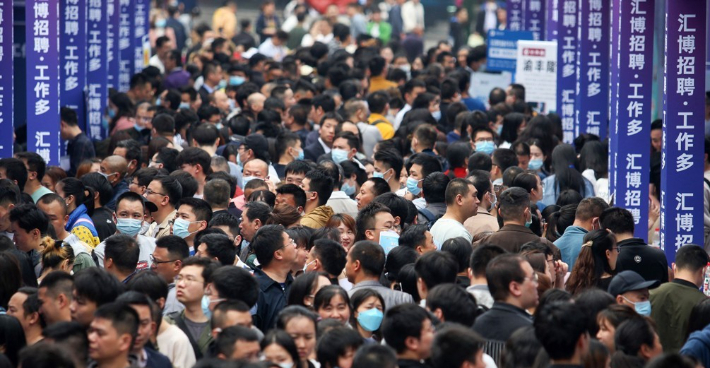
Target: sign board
482	84
537	70
503	49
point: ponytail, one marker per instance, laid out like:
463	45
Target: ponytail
82	194
53	253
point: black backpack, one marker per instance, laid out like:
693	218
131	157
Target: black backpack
431	219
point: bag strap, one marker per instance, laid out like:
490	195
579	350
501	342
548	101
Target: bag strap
180	322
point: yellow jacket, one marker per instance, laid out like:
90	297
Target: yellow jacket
317	218
384	125
225	19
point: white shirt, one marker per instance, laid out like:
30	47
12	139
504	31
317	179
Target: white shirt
146	245
155	61
445	229
400	116
325	147
412	16
174	344
270	50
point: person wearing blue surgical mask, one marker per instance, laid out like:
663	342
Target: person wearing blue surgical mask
482	138
345	147
630	288
191	217
368	310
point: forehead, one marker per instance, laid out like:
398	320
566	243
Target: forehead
129	205
483	134
341	142
191	271
330	122
186	209
255	165
383	217
50	207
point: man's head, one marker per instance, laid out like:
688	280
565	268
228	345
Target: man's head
372	220
29	224
457	347
408	329
328	256
588	212
256	168
420	166
452	303
628	287
418	238
130	211
196	162
434	268
617	220
191	281
461	196
502	159
690	263
169	253
514	206
121	255
566	343
24	305
9	197
238	343
114	168
55	294
217	247
217	194
144	308
35	166
512	280
366	259
129	149
434	187
412	89
657	135
71	337
293	195
192	216
388	165
93	287
318	187
164	192
230	312
371	189
481	256
274	248
15	170
113	332
234	284
253	218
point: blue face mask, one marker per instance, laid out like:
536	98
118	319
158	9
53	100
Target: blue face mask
499	129
412	186
157	101
236	80
111	113
222	84
642	308
138	127
180	228
528	222
184	106
161	23
535	164
129	227
370	320
300	156
247	179
436	115
486	147
376	174
348	189
206	306
339	155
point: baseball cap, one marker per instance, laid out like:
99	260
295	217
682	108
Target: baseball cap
629	281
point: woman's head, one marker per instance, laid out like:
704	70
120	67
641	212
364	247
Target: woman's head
75	194
368	310
10	277
337	347
513	123
304	288
596	258
56	257
609	319
52	176
346	226
521	349
278	347
532	184
638	338
12	337
565	166
594	156
300	324
332	301
591	302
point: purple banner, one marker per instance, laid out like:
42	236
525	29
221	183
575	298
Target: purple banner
614	37
112	20
534	18
126	61
6	79
632	80
566	71
72	56
141	44
682	162
97	78
592	104
515	10
42	34
551	19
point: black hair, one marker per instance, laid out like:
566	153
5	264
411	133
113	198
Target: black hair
460	249
168	157
480	161
501	271
413	236
217	193
29	217
521	349
397	205
123	250
379	186
302	287
130	197
149	283
435	268
336	343
226	219
617	220
97	285
629	337
454	345
331	254
512	202
375	355
200	208
221	247
434	187
321	183
171	187
429	163
71	335
284	340
456	304
257	210
187	183
57	282
456	187
457	153
689	258
589	303
235	283
12	337
370	255
225	343
68	115
82	194
294	311
560	343
481	181
123	318
195	156
564	164
397	258
15	170
366	218
403	321
35	163
267	240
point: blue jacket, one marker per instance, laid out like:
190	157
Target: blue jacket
551	190
698	346
81	225
570	244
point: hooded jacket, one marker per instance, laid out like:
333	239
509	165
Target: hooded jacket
81	225
698	346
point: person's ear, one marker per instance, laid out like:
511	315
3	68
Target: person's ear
63	301
412	343
115	220
619	299
108	262
439	314
370	234
515	289
608	254
34	318
203	225
646	351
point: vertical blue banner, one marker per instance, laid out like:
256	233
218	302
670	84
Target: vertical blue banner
6	79
592	104
97	77
126	61
534	18
515	10
551	19
566	68
141	43
19	100
72	56
42	32
112	19
682	163
631	106
615	36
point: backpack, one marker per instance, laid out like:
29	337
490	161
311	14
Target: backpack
430	217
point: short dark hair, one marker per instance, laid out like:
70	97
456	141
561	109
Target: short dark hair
124	252
504	158
331	254
299	196
97	285
130	197
225	219
512	202
370	255
235	283
454	345
460	249
216	193
366	218
480	161
456	187
560	343
374	355
164	123
187	183
195	156
377	101
590	207
68	115
436	268
123	318
58	282
221	247
501	271
481	180
202	210
617	220
456	304
267	240
257	210
391	158
35	163
481	256
691	257
15	170
225	343
430	164
29	217
205	134
149	283
379	186
413	236
403	321
9	192
321	183
434	187
71	334
298	167
398	206
377	65
336	343
145	175
171	187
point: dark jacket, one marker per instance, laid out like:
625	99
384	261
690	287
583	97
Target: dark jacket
501	321
156	359
79	149
120	188
647	261
512	237
408	363
698	346
272	299
671	304
313	151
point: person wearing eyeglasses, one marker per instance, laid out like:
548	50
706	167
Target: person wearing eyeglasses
167	258
276	252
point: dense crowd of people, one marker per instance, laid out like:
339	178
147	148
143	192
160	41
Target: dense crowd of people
326	195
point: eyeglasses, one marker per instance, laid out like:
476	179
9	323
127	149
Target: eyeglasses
618	250
179	278
148	191
533	278
156	261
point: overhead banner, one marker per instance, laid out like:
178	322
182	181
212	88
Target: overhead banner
537	70
502	50
682	162
126	51
112	20
515	10
73	56
566	68
6	79
534	18
631	82
42	35
141	43
592	103
551	19
97	78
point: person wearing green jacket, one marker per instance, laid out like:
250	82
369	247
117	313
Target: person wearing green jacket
379	29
